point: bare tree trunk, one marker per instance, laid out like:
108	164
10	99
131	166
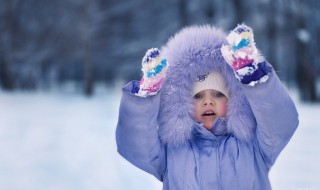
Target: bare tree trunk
5	73
88	70
88	88
5	76
209	9
183	12
306	73
239	15
272	33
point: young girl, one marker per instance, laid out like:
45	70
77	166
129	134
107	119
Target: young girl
209	113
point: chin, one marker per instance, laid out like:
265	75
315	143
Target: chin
208	126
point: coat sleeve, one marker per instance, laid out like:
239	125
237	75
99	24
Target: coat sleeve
275	114
137	134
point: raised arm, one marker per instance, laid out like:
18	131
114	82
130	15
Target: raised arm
137	134
274	111
137	130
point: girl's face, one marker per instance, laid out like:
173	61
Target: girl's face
209	105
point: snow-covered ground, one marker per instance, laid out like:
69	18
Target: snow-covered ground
64	141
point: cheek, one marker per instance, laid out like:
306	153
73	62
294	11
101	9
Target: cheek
223	108
196	110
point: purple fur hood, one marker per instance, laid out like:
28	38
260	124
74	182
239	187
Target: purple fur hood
192	52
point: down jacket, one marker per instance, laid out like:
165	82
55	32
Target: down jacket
158	135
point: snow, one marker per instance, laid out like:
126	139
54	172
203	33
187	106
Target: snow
297	167
63	140
303	35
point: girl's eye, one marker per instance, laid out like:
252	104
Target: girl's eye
197	96
218	95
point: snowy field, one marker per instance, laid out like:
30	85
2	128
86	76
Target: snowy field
64	141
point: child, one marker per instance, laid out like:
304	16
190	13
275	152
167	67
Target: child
211	98
209	113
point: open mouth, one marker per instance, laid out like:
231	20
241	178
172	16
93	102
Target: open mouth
208	113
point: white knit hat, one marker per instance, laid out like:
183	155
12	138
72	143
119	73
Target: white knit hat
210	81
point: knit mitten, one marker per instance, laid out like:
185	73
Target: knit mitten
154	68
245	59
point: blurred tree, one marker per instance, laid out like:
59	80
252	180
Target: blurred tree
306	71
183	10
86	38
239	8
272	32
7	50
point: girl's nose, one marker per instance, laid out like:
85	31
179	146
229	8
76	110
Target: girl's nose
208	101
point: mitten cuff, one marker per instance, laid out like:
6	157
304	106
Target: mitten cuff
253	74
149	88
134	88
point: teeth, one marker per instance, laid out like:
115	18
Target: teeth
207	113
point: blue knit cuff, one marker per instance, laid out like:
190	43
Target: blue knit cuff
135	87
254	73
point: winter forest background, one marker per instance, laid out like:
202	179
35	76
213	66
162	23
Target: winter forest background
46	43
63	62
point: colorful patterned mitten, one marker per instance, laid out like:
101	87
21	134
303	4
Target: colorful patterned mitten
154	69
242	55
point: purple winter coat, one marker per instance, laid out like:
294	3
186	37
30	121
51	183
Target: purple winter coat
158	135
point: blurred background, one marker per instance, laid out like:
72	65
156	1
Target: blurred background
63	63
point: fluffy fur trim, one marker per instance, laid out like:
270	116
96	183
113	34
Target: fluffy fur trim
191	52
